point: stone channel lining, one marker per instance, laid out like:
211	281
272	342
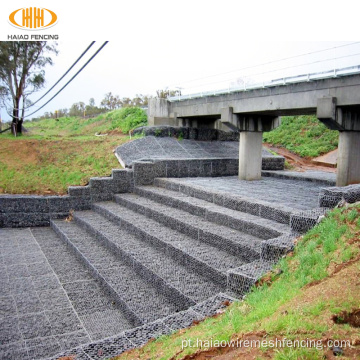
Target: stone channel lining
220	248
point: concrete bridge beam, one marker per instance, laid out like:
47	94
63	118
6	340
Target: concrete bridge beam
254	122
248	122
228	118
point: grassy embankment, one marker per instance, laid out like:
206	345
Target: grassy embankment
54	154
303	135
319	281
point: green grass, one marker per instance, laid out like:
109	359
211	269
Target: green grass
298	353
121	120
126	119
33	165
321	246
54	154
303	135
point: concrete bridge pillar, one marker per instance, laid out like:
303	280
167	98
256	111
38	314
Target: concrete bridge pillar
250	159
348	168
251	128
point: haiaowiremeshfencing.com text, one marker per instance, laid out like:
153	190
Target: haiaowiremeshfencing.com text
271	343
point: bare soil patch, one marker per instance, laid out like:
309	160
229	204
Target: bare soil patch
297	162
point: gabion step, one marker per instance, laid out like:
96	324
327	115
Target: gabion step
233	241
238	220
140	300
129	339
94	307
156	265
241	280
202	257
268	210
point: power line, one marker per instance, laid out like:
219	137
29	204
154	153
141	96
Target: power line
82	68
78	59
275	70
268	63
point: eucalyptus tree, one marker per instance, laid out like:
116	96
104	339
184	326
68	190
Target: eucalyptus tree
22	73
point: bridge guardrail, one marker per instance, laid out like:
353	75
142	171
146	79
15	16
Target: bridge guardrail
276	82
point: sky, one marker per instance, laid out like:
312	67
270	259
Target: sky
192	45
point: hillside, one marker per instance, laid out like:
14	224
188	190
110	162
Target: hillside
303	135
120	121
54	154
309	302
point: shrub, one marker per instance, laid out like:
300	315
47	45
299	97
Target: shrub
127	119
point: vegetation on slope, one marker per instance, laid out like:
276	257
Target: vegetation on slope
57	153
126	119
319	281
49	166
303	135
121	120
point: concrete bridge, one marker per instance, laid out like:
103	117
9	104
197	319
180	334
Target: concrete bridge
335	101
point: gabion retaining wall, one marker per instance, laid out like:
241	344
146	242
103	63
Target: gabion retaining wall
331	196
145	171
238	280
33	210
139	336
162	148
187	133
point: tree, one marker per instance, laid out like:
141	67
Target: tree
125	102
92	102
111	102
140	100
92	110
77	109
164	94
22	73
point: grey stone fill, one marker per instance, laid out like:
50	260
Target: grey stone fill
115	345
142	299
252	224
213	260
154	259
33	210
184	132
320	177
99	315
244	277
293	194
151	147
234	241
151	263
36	314
330	197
